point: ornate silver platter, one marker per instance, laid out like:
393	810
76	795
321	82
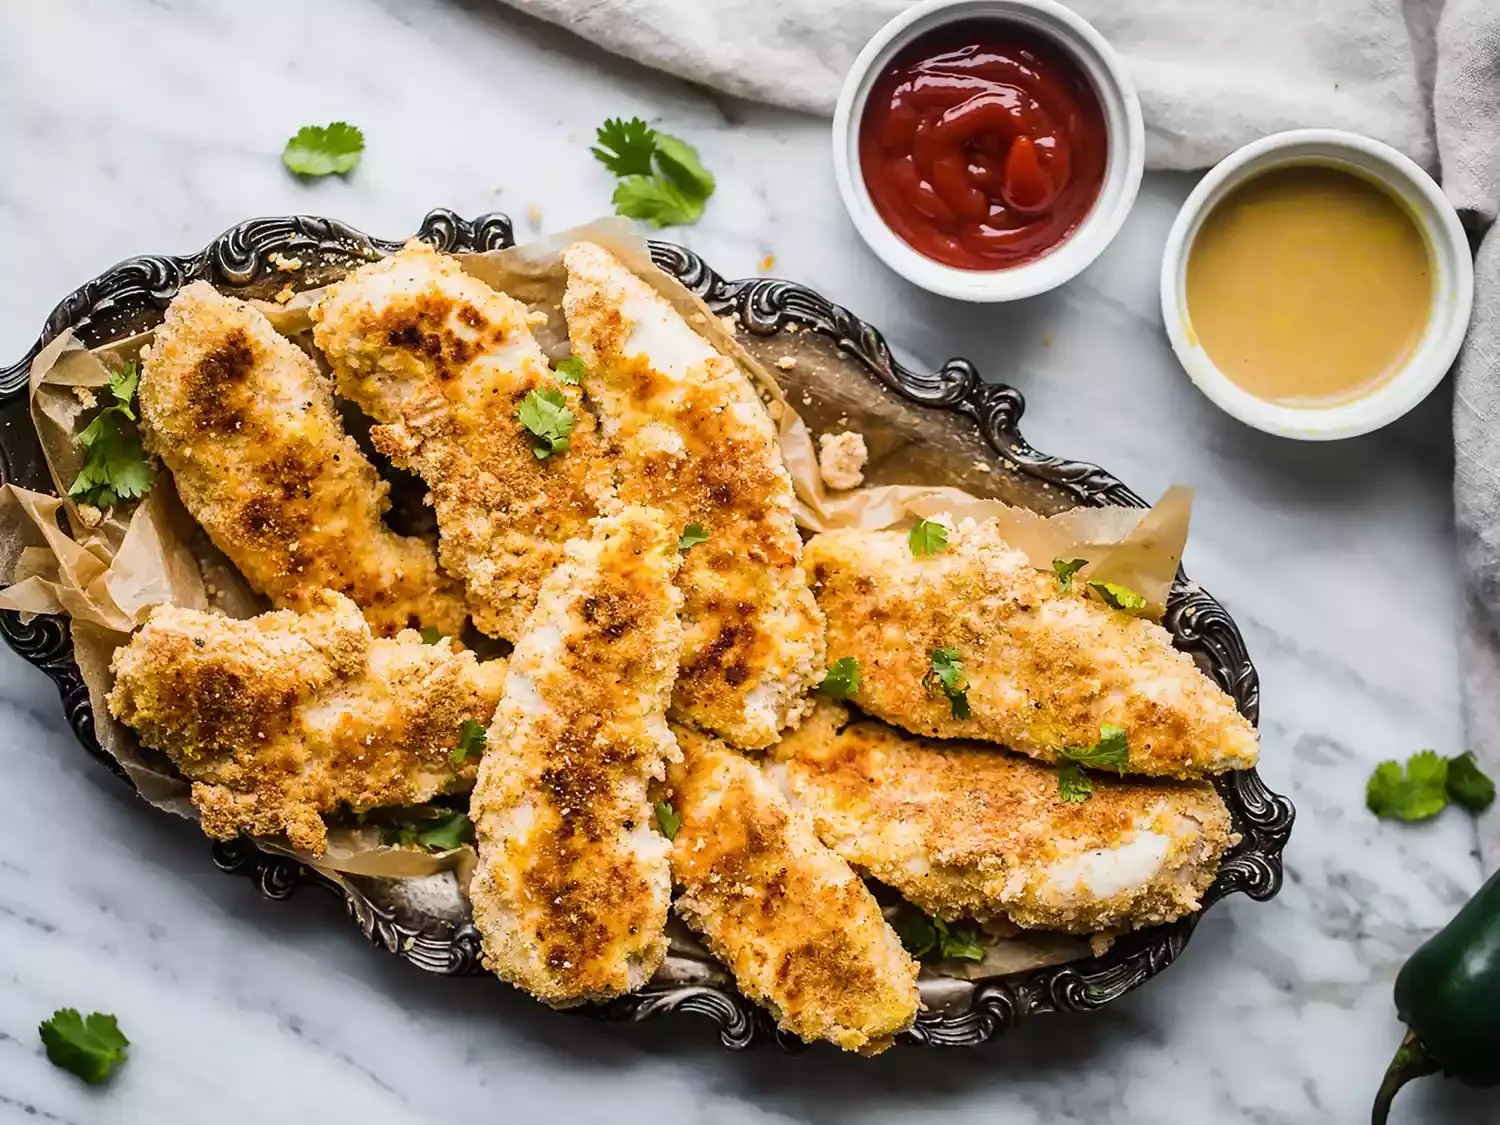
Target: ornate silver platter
943	427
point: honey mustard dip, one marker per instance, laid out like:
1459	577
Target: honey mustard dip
1309	286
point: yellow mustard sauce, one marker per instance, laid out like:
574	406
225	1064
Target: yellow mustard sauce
1309	286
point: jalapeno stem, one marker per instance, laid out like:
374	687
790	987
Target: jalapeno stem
1411	1061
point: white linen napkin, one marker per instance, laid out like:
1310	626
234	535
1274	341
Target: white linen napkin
1421	75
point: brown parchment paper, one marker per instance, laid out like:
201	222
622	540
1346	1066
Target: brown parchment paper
105	570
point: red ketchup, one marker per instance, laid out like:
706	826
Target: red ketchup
983	145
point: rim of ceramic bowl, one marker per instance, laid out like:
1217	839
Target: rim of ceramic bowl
1448	251
1076	37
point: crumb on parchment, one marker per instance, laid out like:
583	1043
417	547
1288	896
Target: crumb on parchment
841	459
283	263
786	363
768	263
286	294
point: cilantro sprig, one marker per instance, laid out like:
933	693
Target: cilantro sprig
843	678
931	939
87	1046
322	150
1111	752
668	819
1120	597
115	468
691	536
436	829
1426	786
570	370
471	738
946	677
1065	569
545	414
928	537
662	181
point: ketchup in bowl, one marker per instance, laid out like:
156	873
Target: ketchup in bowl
983	145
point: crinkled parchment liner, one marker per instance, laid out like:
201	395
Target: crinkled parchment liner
107	569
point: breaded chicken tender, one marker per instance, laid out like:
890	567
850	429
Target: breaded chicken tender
246	422
285	716
695	441
967	831
444	362
799	930
573	884
1045	668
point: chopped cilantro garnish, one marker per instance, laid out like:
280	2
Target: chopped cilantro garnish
321	150
430	634
1065	569
470	742
570	370
842	679
545	414
1111	752
662	181
1424	788
947	677
691	536
1073	785
115	467
928	537
667	819
90	1047
932	939
1468	785
1121	597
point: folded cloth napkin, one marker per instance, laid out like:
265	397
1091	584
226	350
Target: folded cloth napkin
1421	75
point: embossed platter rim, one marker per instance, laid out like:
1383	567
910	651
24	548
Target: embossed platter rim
133	293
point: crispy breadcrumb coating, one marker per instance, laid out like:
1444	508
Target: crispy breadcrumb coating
695	441
1046	668
573	885
285	716
444	361
246	423
964	830
799	930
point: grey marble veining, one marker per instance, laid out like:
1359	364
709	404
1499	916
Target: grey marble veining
150	126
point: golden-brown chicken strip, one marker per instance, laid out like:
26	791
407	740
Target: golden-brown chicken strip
799	930
966	831
246	422
695	441
445	363
1045	668
285	716
573	884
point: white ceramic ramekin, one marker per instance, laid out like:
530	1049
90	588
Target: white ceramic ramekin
1453	283
1122	176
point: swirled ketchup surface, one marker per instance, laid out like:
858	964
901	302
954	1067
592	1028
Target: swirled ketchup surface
983	145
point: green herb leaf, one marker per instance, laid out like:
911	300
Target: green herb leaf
667	819
691	536
1065	569
655	201
470	742
928	537
1121	597
947	677
1468	785
321	150
917	933
89	1047
958	942
842	679
450	830
1073	785
430	634
932	939
678	162
570	370
545	414
1418	792
115	467
626	147
1111	752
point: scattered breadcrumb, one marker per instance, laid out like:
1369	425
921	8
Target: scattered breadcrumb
86	396
283	263
786	363
982	466
1101	943
534	216
793	328
768	263
285	294
841	459
90	515
730	323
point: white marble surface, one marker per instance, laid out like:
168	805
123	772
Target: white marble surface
150	126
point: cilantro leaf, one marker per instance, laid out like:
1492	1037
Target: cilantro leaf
656	201
678	162
1073	785
917	933
842	679
947	676
1416	793
958	942
626	147
470	742
321	150
570	370
89	1047
691	536
545	414
430	634
448	831
1112	751
114	467
1121	597
928	537
1468	785
1065	569
668	819
931	939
